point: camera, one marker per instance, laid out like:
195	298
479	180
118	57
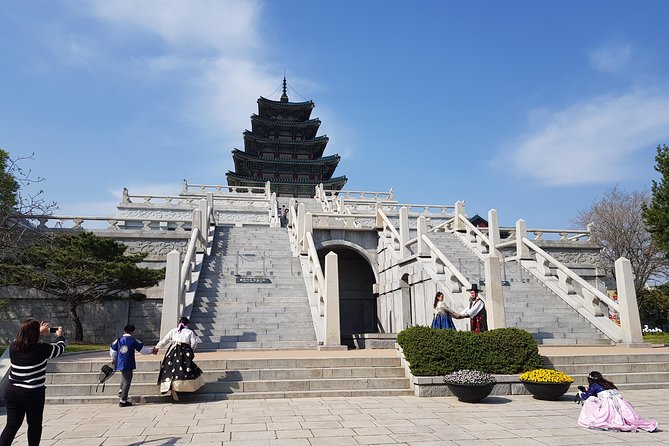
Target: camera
53	329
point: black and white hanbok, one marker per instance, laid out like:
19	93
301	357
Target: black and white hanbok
178	371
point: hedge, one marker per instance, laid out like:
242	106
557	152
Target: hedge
433	352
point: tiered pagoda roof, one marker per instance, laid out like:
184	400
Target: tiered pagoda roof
282	148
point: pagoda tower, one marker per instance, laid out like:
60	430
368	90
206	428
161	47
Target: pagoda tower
282	148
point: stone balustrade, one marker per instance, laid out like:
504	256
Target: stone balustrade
181	275
221	189
93	223
595	305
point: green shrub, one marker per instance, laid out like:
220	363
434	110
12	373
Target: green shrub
433	352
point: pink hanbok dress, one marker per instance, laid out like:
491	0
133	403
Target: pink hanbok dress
607	410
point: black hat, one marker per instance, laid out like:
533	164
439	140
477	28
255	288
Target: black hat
474	287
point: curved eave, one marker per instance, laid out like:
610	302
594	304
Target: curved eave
262	126
325	160
300	111
285	123
250	136
279	104
244	180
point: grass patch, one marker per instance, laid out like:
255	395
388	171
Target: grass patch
75	348
656	338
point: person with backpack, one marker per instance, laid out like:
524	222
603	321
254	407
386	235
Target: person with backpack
122	352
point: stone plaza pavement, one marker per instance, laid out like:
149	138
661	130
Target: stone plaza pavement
517	420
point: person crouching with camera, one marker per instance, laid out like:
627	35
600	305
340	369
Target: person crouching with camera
25	393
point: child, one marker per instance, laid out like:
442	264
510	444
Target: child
604	408
122	352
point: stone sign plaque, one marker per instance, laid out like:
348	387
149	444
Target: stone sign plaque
253	280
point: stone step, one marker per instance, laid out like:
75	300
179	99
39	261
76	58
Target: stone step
72	381
261	344
200	397
277	332
149	377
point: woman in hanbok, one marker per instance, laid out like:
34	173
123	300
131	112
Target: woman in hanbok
604	408
178	371
442	314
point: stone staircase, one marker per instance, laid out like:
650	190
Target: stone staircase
529	304
296	376
251	293
632	371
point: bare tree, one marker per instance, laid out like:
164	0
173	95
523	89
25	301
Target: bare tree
620	229
17	199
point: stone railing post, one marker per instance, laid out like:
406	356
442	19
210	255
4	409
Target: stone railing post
210	200
197	226
377	212
391	194
172	290
268	189
493	233
204	218
184	187
308	223
404	232
423	250
124	196
629	311
494	293
301	241
459	225
590	227
332	327
522	251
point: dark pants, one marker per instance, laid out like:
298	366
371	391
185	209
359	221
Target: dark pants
20	404
126	380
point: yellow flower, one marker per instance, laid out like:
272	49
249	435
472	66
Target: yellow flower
546	376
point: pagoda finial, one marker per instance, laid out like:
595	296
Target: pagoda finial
284	96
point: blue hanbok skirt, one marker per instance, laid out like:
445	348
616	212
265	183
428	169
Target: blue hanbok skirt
444	321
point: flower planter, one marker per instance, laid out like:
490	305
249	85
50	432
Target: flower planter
546	391
470	393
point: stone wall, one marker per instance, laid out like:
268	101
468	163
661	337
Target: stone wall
102	322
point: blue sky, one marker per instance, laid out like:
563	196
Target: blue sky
533	108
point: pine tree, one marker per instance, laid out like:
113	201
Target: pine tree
656	214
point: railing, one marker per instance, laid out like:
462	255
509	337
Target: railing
571	235
274	219
621	322
219	189
323	194
316	274
68	222
323	288
181	276
580	294
476	238
438	267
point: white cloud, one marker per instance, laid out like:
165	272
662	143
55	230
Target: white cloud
228	26
611	58
590	142
226	75
73	51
